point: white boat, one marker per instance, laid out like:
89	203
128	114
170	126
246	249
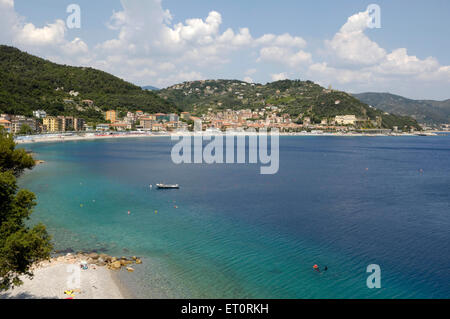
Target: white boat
167	186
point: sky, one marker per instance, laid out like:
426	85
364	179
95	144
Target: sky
401	47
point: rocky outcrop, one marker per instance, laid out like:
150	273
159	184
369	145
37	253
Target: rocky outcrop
92	260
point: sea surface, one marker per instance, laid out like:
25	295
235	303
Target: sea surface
229	232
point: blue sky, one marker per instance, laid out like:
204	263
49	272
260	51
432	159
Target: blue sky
151	42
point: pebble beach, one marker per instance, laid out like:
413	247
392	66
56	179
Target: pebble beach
63	278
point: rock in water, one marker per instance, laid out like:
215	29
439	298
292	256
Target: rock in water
130	269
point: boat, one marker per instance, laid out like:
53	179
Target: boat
167	186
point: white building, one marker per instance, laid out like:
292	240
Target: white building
345	119
40	114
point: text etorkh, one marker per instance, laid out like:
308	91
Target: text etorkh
228	309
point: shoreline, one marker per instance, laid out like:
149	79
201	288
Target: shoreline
62	278
90	137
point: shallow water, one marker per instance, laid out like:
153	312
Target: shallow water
344	202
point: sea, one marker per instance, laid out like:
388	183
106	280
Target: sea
346	203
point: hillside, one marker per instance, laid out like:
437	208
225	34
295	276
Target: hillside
424	111
150	88
30	83
298	98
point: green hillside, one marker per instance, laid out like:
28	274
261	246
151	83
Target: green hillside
30	83
424	111
298	98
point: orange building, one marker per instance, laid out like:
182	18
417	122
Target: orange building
111	116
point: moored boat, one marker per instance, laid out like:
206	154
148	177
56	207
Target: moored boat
167	186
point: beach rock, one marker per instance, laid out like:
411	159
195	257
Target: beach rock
113	259
129	269
125	262
94	255
115	265
138	261
134	257
105	257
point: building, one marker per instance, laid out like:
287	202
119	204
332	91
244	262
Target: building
103	127
78	124
6	125
161	117
17	121
121	126
88	102
52	124
157	127
185	116
345	119
40	114
111	116
146	123
173	117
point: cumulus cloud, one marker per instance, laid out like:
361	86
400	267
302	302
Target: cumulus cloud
49	40
351	45
149	47
279	76
284	56
357	63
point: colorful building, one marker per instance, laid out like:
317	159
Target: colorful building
6	125
111	116
52	124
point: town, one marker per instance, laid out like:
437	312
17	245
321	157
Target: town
264	118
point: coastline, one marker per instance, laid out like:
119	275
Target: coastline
89	137
62	278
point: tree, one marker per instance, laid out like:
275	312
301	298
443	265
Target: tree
20	245
25	130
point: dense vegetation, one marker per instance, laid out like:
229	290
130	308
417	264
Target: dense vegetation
30	83
20	245
298	98
424	111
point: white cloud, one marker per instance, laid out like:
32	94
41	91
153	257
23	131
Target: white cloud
248	79
50	34
150	48
351	45
279	76
285	40
357	63
284	56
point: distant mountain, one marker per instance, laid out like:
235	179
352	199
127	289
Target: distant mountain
298	98
150	88
424	111
30	83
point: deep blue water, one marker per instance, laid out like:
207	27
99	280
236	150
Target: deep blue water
344	202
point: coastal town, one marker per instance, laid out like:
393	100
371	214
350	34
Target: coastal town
264	118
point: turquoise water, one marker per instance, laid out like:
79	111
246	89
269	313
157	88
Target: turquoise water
230	232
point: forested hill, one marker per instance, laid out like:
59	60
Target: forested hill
30	83
425	111
298	98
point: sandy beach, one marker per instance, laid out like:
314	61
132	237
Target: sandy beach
87	137
62	274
